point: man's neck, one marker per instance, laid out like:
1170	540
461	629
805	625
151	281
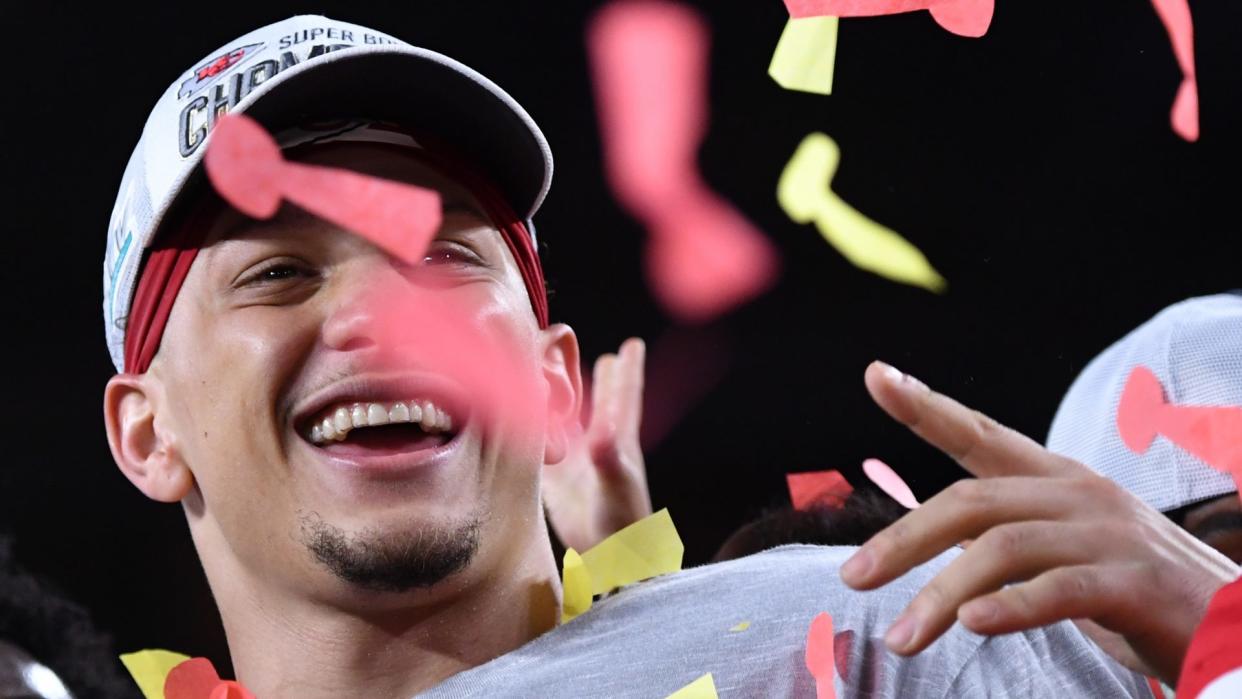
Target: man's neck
284	645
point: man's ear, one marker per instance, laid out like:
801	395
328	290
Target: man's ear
563	372
144	454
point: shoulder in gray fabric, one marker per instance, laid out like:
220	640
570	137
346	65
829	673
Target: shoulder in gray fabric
653	638
1195	348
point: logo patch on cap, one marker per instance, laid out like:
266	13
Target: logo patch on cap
207	74
216	86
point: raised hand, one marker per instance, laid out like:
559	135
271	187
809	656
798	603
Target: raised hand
601	486
1068	543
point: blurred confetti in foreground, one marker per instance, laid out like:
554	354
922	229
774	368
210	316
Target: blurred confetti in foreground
649	60
1180	24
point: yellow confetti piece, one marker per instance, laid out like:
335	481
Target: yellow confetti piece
645	549
740	627
806	55
805	194
702	688
576	582
150	668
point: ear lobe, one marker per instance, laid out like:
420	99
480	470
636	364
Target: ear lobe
145	456
563	373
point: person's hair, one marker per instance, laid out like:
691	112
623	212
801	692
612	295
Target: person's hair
57	632
862	515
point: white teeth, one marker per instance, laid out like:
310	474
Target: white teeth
376	415
399	413
429	416
341	421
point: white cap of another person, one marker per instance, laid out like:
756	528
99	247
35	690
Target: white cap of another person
311	69
1195	348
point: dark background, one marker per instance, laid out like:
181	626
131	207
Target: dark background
1035	168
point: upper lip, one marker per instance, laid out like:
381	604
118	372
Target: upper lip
382	388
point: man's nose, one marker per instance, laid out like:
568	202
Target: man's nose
363	310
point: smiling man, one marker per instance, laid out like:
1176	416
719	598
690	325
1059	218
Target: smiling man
365	502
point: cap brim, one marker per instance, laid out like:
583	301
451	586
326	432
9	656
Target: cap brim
423	90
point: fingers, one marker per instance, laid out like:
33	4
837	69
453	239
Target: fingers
1063	593
601	392
628	377
1003	555
980	444
617	408
966	510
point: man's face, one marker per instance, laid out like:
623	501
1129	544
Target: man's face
1218	523
292	391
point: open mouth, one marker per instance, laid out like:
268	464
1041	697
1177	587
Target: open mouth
385	427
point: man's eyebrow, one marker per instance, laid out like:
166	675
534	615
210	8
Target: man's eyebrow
242	224
290	215
460	205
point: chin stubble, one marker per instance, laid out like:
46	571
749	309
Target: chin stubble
381	561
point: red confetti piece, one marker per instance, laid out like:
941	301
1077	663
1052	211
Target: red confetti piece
1175	14
1214	434
886	479
1214	650
229	689
245	166
817	487
820	657
962	17
650	74
197	678
192	679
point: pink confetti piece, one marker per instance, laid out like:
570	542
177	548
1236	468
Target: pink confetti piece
649	60
704	257
1213	434
460	338
820	656
245	166
886	479
1175	14
817	487
962	17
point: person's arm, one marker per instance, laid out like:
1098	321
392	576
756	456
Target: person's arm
1068	543
601	486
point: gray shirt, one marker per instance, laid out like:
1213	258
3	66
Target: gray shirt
653	638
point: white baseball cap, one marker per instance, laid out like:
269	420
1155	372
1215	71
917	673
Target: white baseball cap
1195	348
304	69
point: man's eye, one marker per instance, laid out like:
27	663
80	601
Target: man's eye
450	254
279	272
